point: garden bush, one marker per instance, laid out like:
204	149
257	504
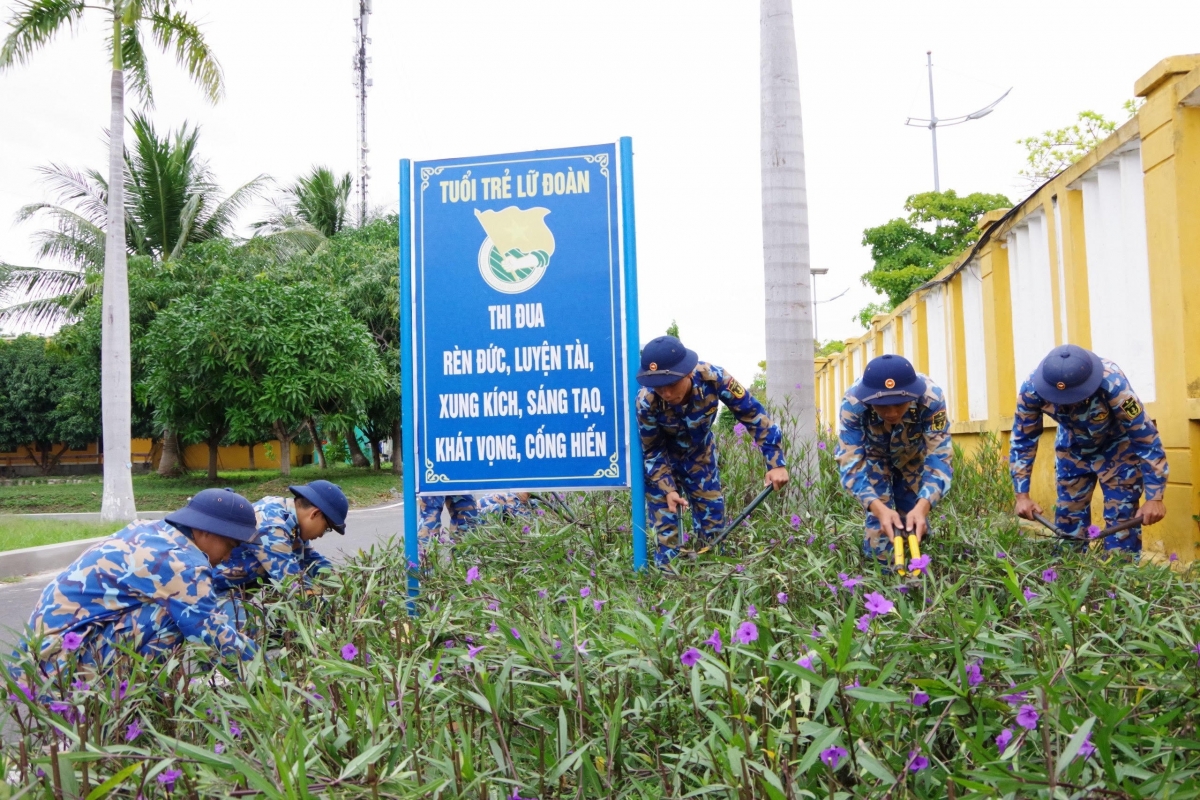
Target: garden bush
539	665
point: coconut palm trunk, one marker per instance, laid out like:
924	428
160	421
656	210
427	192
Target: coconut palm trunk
790	381
115	371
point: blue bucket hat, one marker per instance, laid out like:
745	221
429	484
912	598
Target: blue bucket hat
329	499
1068	374
889	380
220	511
664	361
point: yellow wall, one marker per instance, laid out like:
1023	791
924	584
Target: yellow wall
1167	130
146	452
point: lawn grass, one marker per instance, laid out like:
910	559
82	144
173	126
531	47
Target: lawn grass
364	487
19	532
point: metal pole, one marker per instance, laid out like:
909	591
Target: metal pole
937	184
816	340
637	474
408	388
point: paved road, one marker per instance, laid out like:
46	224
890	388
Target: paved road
365	526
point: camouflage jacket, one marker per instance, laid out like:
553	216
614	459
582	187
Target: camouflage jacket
683	434
278	554
917	449
141	564
1092	427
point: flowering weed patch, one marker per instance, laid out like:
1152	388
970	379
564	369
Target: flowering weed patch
786	667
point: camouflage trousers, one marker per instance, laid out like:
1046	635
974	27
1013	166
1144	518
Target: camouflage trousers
464	515
875	544
700	484
503	506
1119	473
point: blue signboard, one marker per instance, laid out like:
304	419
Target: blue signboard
519	364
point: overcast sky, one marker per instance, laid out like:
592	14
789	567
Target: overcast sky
681	78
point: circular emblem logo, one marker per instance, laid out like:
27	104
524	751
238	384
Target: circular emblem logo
514	272
1061	385
889	384
653	366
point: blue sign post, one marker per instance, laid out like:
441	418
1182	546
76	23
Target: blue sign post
518	321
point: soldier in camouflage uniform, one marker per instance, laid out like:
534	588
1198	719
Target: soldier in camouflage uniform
287	527
1103	435
505	505
147	587
894	450
464	515
675	412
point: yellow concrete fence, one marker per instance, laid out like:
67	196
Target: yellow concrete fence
146	452
1106	255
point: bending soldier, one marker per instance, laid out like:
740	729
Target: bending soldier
894	450
1103	435
675	412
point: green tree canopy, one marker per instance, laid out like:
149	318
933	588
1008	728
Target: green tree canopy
1054	150
910	250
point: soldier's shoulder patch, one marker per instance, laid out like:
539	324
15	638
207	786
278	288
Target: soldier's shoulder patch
736	389
938	421
1131	407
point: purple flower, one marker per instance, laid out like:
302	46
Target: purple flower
1050	576
472	575
1173	557
168	777
833	756
916	762
820	445
832	546
219	748
903	589
235	731
494	605
878	604
832	587
815	634
974	674
1001	554
516	633
714	641
740	568
58	707
542	594
920	562
132	731
805	661
739	430
690	657
473	651
1015	699
541	513
80	685
1112	595
1087	749
121	689
781	597
812	537
1093	531
1027	717
848	582
1029	594
598	604
524	529
919	698
493	628
349	652
746	633
751	611
796	521
1003	738
71	641
864	623
585	591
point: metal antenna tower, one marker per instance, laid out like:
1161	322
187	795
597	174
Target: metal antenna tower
362	83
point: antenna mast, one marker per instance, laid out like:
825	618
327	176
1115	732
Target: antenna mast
362	83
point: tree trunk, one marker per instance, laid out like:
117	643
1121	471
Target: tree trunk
397	450
320	451
790	382
214	446
356	454
285	448
251	456
117	504
375	462
169	463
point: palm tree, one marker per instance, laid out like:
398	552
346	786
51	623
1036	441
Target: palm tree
171	201
790	385
312	210
35	23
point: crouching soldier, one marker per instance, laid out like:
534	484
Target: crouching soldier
675	413
464	515
1103	435
287	527
148	587
894	450
504	505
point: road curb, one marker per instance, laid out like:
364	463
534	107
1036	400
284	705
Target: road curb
43	558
